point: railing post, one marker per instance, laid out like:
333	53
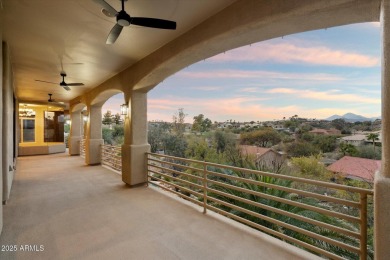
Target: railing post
147	169
363	226
101	153
204	187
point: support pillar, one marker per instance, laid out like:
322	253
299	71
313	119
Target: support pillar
75	134
134	171
93	140
382	178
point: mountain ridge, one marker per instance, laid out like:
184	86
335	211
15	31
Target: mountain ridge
351	117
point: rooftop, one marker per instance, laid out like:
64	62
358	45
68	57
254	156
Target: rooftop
80	212
254	150
356	167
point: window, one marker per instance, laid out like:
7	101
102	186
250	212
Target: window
28	130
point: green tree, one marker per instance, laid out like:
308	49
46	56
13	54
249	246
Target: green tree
201	124
373	137
107	135
310	167
107	118
262	138
300	149
369	152
326	143
348	149
117	119
118	134
339	123
291	124
175	145
223	140
178	125
157	133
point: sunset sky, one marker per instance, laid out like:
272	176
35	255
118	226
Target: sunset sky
314	75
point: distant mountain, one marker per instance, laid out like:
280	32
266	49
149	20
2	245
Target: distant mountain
351	117
331	118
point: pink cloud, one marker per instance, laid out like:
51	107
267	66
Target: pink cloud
331	95
290	53
239	109
260	74
168	104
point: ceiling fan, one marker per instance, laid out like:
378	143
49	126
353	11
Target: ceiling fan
124	19
54	102
63	83
50	100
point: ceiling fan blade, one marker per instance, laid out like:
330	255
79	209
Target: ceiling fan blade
66	88
46	81
75	84
114	34
107	7
153	23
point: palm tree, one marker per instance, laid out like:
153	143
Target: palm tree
348	149
373	137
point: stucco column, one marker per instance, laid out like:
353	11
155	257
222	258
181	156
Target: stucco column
382	178
136	141
93	140
75	134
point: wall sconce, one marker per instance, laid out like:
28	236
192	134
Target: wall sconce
85	115
124	109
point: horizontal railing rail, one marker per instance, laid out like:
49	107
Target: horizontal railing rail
111	156
325	218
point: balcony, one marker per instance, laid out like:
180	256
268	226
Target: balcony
80	212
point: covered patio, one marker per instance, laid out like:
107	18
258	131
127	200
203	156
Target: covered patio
82	212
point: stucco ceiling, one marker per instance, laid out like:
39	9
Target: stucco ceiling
48	36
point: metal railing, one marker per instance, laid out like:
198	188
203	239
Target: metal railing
322	217
82	148
111	157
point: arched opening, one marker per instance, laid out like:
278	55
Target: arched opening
113	120
104	130
285	108
77	125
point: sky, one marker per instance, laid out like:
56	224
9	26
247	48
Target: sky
314	75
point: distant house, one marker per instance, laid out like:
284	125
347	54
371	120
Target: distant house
266	158
334	131
361	138
356	168
356	140
319	131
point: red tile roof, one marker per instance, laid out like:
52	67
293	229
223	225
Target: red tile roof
319	131
356	167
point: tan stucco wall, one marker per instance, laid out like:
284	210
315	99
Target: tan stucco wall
1	119
271	160
7	131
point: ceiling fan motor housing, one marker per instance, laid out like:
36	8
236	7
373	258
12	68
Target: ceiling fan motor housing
123	19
